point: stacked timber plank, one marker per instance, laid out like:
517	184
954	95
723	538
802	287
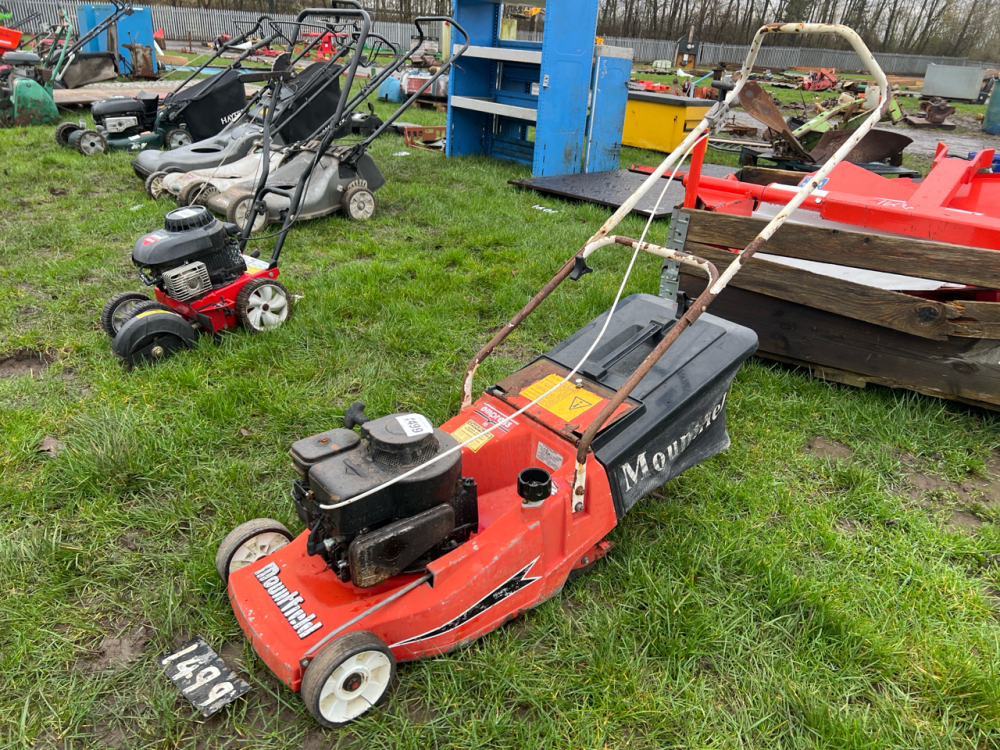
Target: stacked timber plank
852	332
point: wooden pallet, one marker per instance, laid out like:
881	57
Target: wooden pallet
853	333
425	103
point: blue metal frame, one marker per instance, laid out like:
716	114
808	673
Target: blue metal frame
558	89
136	28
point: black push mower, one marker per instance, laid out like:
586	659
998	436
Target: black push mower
195	110
304	105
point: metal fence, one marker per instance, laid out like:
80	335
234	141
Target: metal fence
203	25
779	58
181	24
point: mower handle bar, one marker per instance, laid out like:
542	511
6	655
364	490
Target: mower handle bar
445	66
296	198
294	201
384	74
717	283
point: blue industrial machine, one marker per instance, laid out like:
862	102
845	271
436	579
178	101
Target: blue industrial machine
136	28
529	101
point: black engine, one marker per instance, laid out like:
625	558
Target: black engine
125	116
193	254
397	529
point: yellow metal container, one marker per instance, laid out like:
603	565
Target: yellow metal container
660	121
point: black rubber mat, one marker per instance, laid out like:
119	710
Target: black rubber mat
613	188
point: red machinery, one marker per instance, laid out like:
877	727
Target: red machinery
955	202
471	535
419	540
819	80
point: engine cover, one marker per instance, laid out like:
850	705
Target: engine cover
115	125
390	446
190	234
370	538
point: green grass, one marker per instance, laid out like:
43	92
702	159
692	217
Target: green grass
766	598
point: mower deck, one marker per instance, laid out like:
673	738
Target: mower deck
521	556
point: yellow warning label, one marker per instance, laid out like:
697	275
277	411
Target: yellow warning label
469	430
566	402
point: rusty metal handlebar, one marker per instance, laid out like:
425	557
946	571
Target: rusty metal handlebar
717	283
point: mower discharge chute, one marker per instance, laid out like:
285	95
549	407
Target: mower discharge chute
195	110
304	105
419	540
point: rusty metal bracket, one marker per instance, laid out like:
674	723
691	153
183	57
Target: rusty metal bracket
670	272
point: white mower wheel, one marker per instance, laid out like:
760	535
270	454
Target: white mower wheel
154	185
176	138
238	212
263	304
119	309
350	675
358	203
91	142
196	193
248	543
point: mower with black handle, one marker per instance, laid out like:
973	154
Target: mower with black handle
195	110
305	104
337	178
81	68
417	540
203	279
198	185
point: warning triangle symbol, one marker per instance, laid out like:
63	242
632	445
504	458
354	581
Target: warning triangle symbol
578	403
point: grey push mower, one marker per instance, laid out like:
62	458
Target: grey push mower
304	105
338	177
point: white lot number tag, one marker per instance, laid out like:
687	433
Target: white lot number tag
415	424
202	677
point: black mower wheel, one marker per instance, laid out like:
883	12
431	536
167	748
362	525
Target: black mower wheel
248	543
358	203
119	309
195	193
176	138
239	211
63	132
90	142
152	334
349	676
263	304
154	185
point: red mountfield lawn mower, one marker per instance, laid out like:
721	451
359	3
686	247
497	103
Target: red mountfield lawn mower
419	540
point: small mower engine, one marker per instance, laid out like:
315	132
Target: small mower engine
22	65
126	116
193	254
400	527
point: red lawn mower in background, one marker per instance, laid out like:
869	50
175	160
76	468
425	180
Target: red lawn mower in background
203	278
419	540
